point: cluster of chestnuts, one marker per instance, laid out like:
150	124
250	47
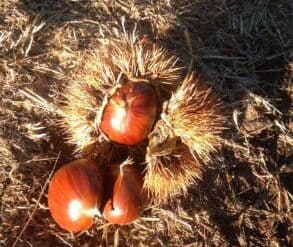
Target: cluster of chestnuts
129	95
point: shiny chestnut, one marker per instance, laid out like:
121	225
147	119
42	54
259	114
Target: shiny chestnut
125	203
75	194
130	113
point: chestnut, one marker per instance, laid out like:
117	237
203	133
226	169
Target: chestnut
130	113
125	203
75	194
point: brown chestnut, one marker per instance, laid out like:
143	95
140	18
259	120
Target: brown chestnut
125	204
130	113
75	194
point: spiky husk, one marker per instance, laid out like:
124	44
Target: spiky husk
170	170
82	102
129	57
120	56
195	115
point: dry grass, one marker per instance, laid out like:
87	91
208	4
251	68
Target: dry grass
244	48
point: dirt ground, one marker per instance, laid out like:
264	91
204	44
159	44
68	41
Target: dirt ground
244	48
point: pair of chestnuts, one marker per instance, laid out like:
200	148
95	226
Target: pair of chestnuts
81	190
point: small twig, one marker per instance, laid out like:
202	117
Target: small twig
188	40
62	239
175	218
208	57
127	162
234	145
271	57
37	203
144	227
116	238
41	102
277	29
